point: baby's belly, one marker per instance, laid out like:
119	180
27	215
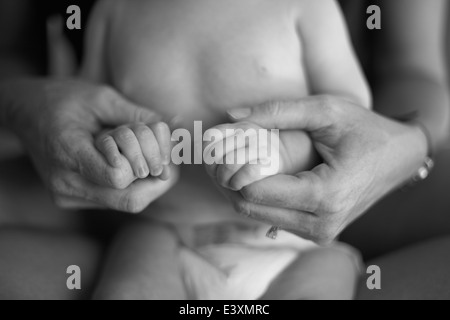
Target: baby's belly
198	59
193	201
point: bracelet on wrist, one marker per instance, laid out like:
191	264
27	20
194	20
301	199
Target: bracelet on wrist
428	163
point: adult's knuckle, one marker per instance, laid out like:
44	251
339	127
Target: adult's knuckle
333	107
326	232
315	198
327	199
334	204
250	195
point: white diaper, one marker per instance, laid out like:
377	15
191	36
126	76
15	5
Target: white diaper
241	266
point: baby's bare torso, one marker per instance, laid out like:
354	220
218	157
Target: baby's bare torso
196	59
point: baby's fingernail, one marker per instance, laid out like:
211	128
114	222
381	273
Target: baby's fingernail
143	172
156	172
239	114
165	175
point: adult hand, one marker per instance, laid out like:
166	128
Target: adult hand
57	122
365	156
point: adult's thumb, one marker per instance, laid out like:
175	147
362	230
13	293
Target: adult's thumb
309	114
119	111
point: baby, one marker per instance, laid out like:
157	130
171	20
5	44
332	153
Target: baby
195	60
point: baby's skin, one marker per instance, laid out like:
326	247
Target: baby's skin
195	60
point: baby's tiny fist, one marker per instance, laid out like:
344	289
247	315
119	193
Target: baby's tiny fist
258	159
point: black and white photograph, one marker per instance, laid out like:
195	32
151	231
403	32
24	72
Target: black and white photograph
225	156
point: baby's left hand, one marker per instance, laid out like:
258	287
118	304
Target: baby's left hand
249	153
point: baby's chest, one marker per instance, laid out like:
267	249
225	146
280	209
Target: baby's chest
200	58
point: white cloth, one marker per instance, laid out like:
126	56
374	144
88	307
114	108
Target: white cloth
241	266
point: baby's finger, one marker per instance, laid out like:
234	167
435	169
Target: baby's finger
233	162
129	145
233	138
223	149
258	167
225	172
166	174
150	149
108	147
162	133
248	174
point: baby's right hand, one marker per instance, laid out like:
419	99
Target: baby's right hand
146	147
293	152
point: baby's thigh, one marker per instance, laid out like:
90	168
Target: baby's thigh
34	263
319	274
143	263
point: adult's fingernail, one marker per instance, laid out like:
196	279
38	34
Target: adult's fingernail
239	114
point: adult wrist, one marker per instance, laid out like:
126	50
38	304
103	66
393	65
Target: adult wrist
427	134
428	161
407	153
423	138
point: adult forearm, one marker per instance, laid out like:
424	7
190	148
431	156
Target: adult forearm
16	97
416	99
15	68
15	65
5	104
